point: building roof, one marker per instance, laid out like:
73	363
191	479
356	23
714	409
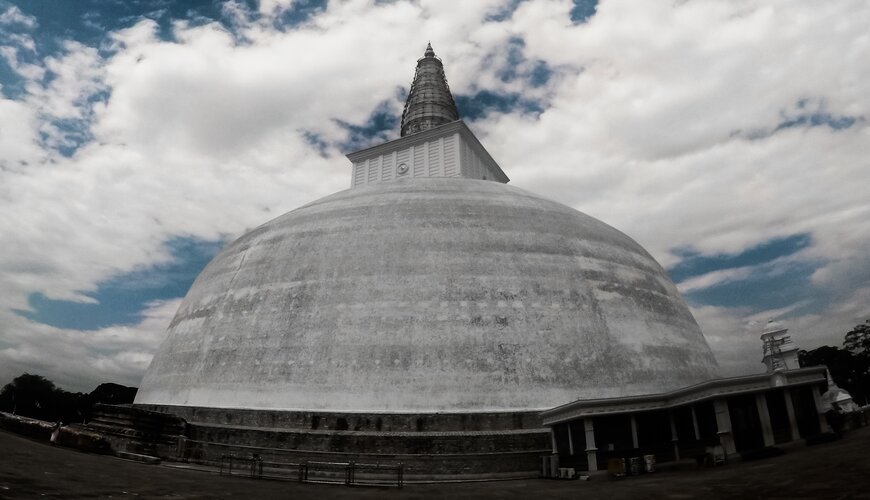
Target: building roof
773	328
705	391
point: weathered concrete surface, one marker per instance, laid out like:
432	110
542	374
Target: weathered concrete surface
30	469
137	430
427	295
355	421
434	446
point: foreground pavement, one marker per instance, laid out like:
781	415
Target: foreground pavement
837	470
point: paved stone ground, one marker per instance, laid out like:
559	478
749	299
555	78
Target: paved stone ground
837	470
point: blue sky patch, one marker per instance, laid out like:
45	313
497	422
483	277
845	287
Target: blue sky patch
512	67
13	85
513	59
818	119
811	112
122	298
540	74
316	141
693	263
299	12
88	21
504	12
583	10
74	135
379	126
478	105
768	287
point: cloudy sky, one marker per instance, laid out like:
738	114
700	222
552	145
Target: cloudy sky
729	137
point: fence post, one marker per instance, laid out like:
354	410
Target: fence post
256	466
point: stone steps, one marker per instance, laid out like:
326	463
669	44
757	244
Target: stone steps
135	431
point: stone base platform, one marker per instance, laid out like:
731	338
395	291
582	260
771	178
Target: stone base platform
138	431
430	447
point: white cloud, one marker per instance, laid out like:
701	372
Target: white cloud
13	16
653	126
734	333
80	360
715	278
9	53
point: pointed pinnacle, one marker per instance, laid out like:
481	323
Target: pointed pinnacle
429	103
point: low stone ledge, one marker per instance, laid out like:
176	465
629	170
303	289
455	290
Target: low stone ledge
72	436
432	443
136	457
349	421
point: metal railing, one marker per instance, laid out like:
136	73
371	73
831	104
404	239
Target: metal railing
244	466
314	472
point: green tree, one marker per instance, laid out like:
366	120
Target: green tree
857	340
37	397
849	365
30	395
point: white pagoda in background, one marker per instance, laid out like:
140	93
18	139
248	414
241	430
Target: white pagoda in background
780	353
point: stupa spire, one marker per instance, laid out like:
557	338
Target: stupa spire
430	102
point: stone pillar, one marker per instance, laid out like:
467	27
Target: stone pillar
553	439
792	420
181	448
723	426
674	437
817	397
591	450
634	441
695	424
570	440
764	417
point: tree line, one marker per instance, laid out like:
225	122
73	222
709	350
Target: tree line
37	397
849	365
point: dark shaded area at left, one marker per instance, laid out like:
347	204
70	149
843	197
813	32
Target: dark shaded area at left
37	397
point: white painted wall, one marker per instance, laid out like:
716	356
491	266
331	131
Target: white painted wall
448	155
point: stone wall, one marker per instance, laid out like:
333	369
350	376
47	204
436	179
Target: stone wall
440	446
138	430
353	421
73	436
435	443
